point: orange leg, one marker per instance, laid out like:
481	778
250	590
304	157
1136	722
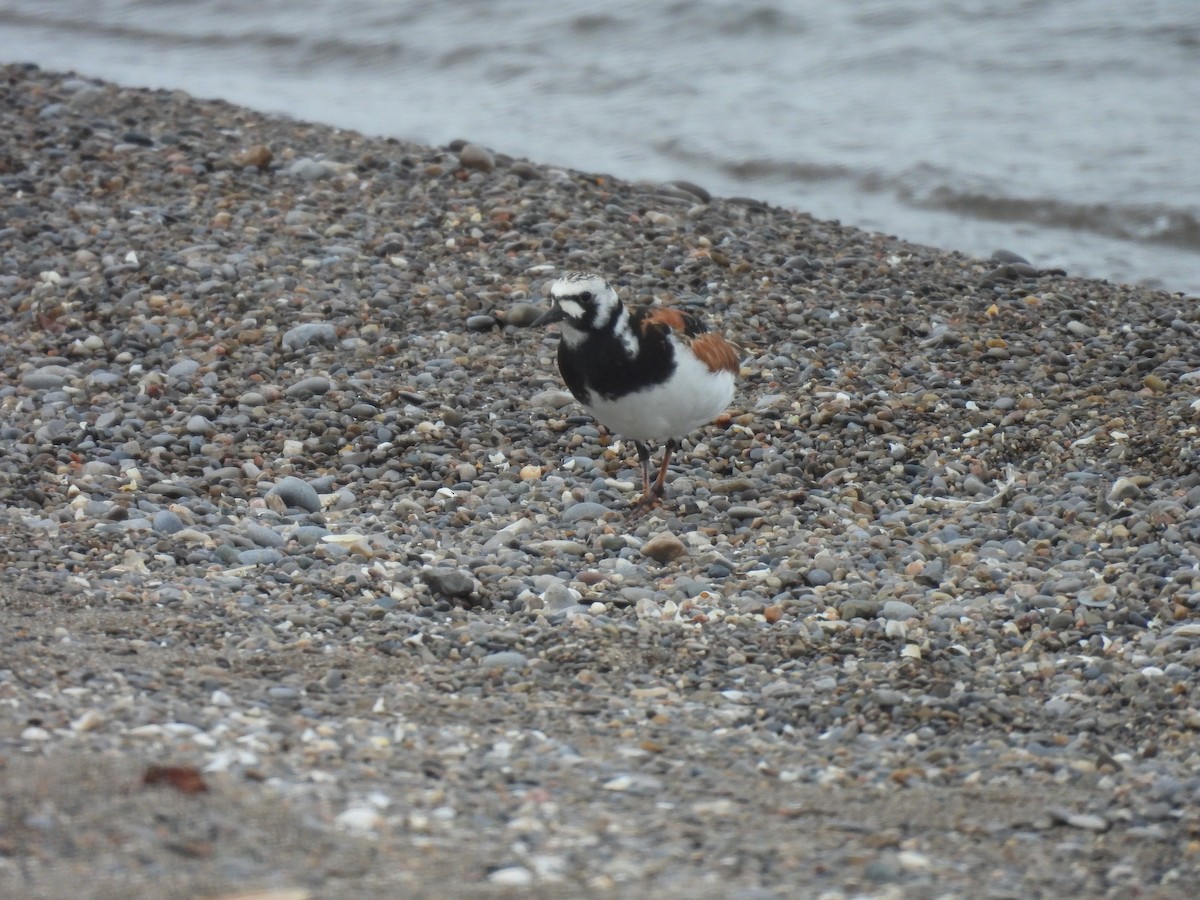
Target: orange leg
661	481
652	494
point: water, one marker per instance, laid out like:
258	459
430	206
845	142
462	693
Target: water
1065	130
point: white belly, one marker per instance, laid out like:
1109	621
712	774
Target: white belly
692	398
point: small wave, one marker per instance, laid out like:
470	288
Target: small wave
1143	224
294	50
772	20
142	34
589	24
757	169
381	55
761	20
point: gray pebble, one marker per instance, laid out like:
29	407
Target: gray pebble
1124	489
309	535
886	697
584	511
973	486
1007	256
521	314
308	334
559	548
558	597
473	156
504	659
883	869
897	610
1084	821
448	582
263	536
309	169
85	98
53	432
688	190
482	323
185	368
259	556
167	522
309	387
551	398
859	609
176	490
42	380
199	425
296	493
343	499
1080	329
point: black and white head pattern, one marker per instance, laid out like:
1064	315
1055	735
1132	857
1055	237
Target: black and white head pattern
589	305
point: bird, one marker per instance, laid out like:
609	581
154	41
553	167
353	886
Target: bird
653	374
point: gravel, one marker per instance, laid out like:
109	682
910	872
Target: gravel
318	584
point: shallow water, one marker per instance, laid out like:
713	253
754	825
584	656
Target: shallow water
1065	131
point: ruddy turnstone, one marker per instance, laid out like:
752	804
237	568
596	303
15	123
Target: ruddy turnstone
650	375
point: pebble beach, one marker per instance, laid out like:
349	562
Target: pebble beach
318	583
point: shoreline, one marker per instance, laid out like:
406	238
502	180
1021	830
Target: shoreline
291	500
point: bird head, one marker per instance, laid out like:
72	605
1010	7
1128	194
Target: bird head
583	302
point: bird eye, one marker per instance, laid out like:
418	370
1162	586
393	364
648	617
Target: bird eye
585	297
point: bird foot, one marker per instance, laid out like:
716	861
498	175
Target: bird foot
645	503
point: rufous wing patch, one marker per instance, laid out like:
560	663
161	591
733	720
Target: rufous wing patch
711	349
672	318
715	352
